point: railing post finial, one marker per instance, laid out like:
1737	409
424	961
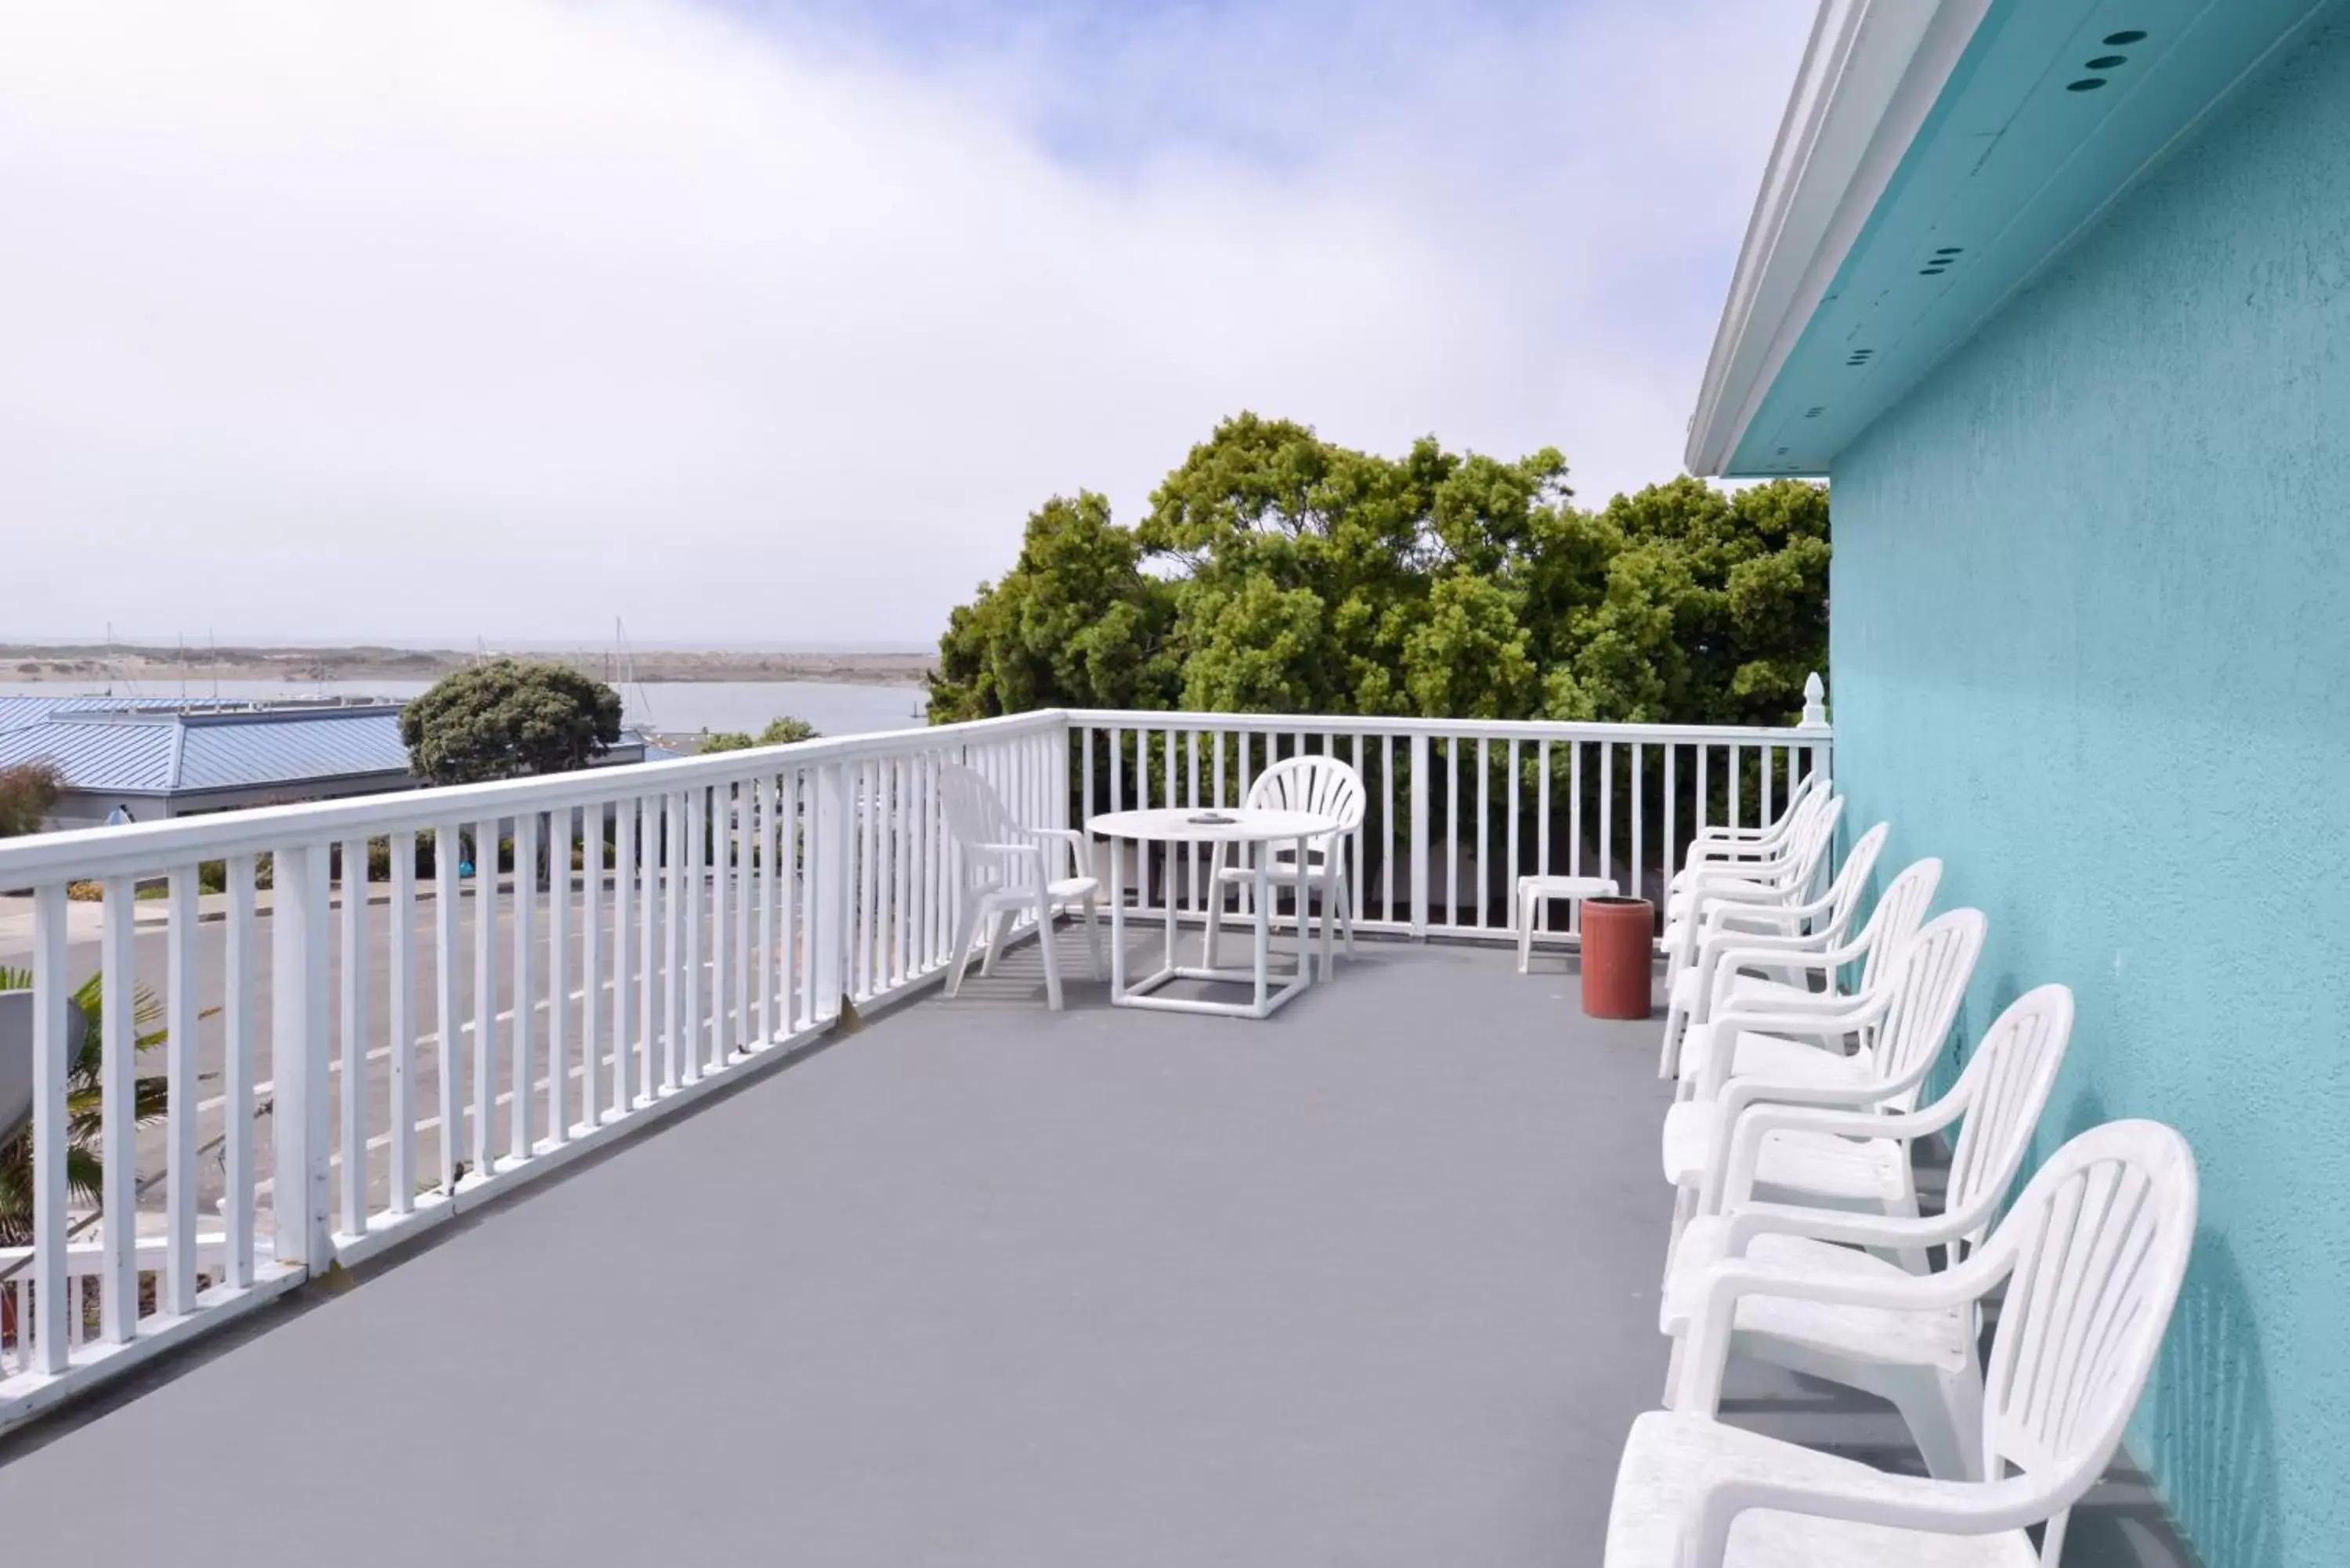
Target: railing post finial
1815	706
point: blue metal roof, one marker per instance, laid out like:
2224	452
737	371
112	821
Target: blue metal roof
122	757
217	753
158	745
132	752
16	713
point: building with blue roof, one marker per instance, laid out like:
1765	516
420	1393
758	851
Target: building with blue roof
147	759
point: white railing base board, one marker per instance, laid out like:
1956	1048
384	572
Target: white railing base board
32	1394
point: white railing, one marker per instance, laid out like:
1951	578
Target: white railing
380	1012
1459	809
411	1033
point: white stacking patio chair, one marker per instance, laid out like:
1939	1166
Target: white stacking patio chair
1762	1058
1827	1168
2091	1256
1896	919
1007	870
1720	845
1798	931
1786	879
1326	787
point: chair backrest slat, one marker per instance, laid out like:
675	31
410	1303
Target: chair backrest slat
975	815
1852	877
1897	915
2005	1087
1937	964
2096	1246
1322	785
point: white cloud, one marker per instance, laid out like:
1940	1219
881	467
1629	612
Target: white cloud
447	316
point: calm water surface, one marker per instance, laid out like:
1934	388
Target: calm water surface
836	708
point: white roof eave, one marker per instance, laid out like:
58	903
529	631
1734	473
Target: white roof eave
1870	76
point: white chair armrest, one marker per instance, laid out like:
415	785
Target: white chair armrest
1080	846
1715	1312
1745	1222
1824	1025
1755	1123
1864	1496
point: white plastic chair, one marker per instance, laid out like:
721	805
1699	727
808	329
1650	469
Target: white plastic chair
1795	930
1718	845
1827	1169
1896	919
1328	788
1783	881
1904	1025
1007	870
2091	1255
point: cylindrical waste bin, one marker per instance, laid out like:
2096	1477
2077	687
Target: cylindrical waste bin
1619	938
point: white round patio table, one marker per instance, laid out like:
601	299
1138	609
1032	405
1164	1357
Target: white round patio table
1188	825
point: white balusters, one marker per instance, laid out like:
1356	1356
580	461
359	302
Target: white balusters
677	915
353	1037
558	978
651	1012
400	979
716	808
741	871
521	1016
447	847
624	980
177	1294
52	1069
485	992
238	1174
118	1297
592	983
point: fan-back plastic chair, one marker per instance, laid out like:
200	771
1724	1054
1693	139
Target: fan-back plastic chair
1719	845
1008	871
1909	1027
1837	1180
1326	787
1783	881
1797	931
2092	1256
1891	925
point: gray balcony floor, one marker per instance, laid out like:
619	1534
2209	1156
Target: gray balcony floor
1371	1283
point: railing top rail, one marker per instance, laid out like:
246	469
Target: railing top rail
1498	729
141	849
144	847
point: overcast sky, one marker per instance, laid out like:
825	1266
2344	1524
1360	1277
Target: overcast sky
772	319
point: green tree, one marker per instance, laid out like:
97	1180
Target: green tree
1278	571
506	718
1075	623
778	733
28	793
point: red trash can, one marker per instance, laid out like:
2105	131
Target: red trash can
1619	945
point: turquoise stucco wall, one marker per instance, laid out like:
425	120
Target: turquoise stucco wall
2092	645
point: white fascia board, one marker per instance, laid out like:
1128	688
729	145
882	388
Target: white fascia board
1871	74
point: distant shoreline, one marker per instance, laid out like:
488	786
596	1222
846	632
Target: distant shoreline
80	665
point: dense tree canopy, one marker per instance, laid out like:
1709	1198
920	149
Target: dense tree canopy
508	718
1279	572
778	733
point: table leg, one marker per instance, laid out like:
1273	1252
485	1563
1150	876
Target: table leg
1304	915
1117	919
1167	885
1264	889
